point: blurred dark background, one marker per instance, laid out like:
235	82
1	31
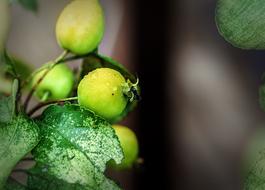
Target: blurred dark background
199	110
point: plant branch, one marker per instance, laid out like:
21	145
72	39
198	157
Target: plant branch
28	159
57	60
20	171
72	58
42	104
75	57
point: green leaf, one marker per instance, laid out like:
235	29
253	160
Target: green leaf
5	87
75	147
7	65
262	97
39	180
242	22
23	69
12	184
256	177
95	61
17	138
31	5
8	104
6	109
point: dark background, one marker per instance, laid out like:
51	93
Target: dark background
155	35
199	111
163	30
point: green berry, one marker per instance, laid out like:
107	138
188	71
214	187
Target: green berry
57	84
102	92
80	27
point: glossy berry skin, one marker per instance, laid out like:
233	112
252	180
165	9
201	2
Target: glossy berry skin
102	92
58	83
80	27
130	147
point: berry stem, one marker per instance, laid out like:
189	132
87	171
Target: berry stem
56	61
42	104
20	171
45	96
65	59
27	159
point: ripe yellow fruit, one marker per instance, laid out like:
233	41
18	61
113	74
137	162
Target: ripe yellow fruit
102	92
130	147
80	27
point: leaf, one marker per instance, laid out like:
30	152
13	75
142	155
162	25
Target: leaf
262	97
17	138
7	65
8	104
22	68
5	87
12	184
31	5
242	22
95	61
6	109
256	176
75	147
39	180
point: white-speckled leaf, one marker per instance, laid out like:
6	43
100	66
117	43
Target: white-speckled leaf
256	177
39	179
12	184
76	145
17	138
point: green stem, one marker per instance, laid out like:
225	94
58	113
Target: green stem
45	66
28	159
20	171
45	96
42	104
57	60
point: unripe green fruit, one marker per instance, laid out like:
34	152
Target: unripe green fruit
57	84
4	21
102	92
80	27
130	147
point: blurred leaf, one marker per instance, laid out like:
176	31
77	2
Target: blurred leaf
23	69
17	138
8	105
262	97
5	85
12	184
75	147
7	65
242	22
256	177
31	5
253	160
